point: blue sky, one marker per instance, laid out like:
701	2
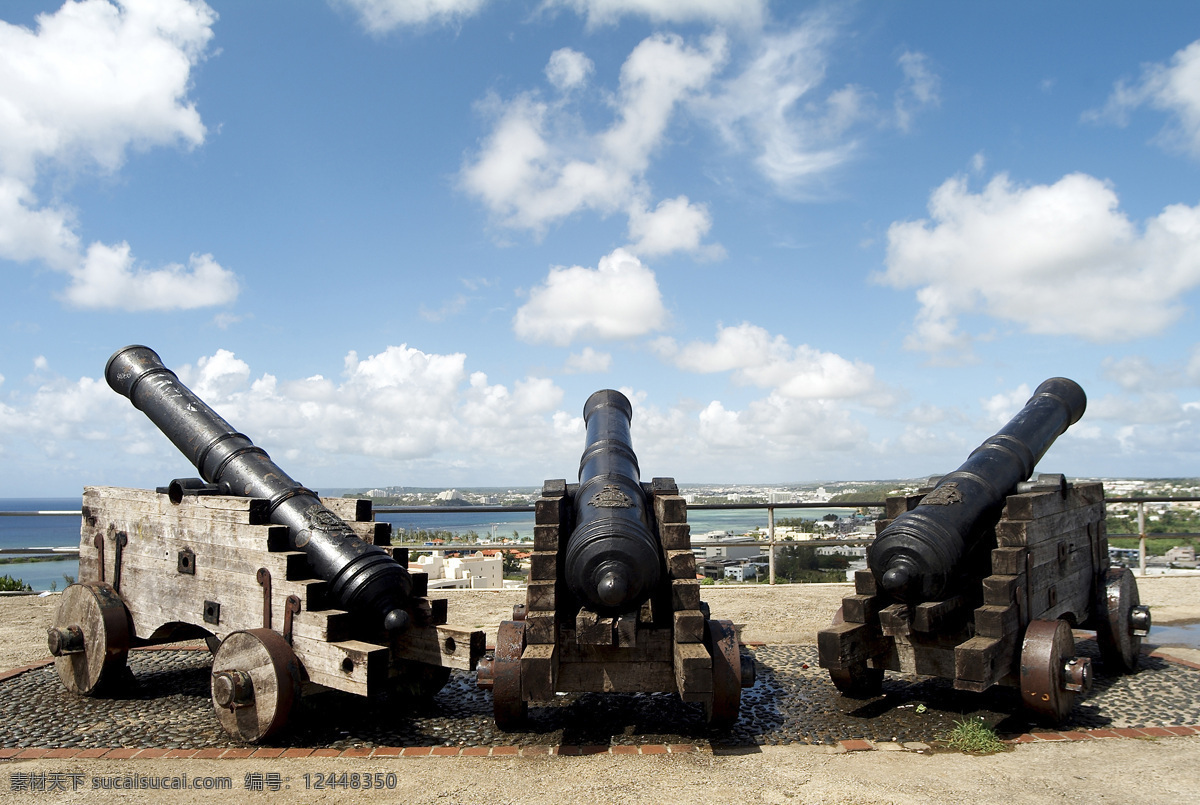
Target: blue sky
401	241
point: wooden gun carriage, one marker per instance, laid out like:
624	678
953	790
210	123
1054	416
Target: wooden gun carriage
153	571
583	627
982	578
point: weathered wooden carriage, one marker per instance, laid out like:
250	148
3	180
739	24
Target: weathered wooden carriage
153	571
982	578
613	603
287	593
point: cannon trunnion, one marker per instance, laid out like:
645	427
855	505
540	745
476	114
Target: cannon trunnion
613	603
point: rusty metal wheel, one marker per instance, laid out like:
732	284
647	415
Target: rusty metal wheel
721	711
508	703
859	681
1122	621
90	638
1051	674
255	681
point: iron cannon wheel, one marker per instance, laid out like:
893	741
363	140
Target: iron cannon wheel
1119	646
859	681
508	705
721	712
1051	674
95	612
255	682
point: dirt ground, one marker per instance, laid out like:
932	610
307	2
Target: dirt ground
1115	770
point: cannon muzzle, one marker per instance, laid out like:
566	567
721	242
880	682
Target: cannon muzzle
916	556
613	557
362	577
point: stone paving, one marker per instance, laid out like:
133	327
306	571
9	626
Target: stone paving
165	708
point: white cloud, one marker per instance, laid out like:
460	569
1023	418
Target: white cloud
107	279
674	225
1000	408
1057	259
589	361
568	69
93	81
759	359
1173	88
538	165
381	16
749	13
771	106
617	299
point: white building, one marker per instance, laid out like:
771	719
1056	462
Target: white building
728	546
474	572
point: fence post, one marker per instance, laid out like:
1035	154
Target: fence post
771	542
1141	538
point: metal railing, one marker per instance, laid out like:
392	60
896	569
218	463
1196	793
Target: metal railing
771	543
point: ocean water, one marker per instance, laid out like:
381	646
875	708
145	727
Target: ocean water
40	532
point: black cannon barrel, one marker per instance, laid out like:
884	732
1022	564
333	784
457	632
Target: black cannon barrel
361	576
916	556
613	557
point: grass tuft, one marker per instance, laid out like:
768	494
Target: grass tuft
972	735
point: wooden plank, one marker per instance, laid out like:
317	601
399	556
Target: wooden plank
146	527
982	661
690	626
217	508
1008	561
550	511
860	609
670	509
934	661
936	616
326	663
593	630
685	594
843	645
543	566
541	627
626	631
864	583
653	645
1035	505
447	646
539	672
541	596
681	564
675	536
895	620
1018	533
693	668
898	504
1000	591
352	510
546	537
646	677
997	621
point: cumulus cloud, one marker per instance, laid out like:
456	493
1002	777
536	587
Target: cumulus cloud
676	224
608	12
759	359
1058	259
1173	88
617	299
381	16
108	279
539	165
93	81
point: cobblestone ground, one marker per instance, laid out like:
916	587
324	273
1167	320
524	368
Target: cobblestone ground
165	703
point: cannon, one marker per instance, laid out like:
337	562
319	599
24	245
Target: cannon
291	592
981	576
613	602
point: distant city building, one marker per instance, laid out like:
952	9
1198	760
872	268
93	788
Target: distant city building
449	494
474	572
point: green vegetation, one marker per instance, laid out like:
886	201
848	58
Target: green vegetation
801	563
10	585
1169	521
972	735
870	493
16	560
1154	547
